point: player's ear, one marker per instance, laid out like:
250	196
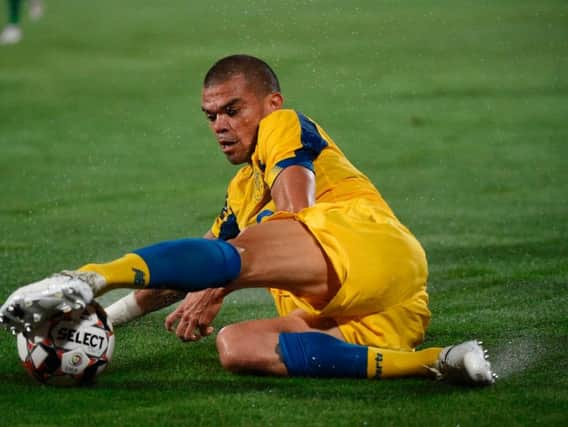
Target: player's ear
275	101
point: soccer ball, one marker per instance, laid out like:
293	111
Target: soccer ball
70	349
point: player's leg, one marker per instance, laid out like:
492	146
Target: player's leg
302	345
141	302
252	346
144	301
284	255
320	355
12	33
280	252
14	9
37	9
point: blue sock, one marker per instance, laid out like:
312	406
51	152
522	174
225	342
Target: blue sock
191	264
314	354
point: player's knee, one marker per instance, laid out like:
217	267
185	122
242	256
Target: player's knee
242	350
229	348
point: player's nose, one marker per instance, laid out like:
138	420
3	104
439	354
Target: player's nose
220	124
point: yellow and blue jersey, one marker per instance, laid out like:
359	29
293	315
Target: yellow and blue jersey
285	138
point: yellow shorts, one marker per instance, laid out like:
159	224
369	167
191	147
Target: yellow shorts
382	269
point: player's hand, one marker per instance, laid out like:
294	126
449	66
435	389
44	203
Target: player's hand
30	305
195	314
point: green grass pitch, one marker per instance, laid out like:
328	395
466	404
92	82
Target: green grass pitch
457	110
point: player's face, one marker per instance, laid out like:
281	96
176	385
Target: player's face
234	110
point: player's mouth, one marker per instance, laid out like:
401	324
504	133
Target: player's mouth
227	145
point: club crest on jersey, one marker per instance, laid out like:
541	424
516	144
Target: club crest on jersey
225	209
259	185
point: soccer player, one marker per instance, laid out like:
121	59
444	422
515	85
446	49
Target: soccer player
348	279
12	32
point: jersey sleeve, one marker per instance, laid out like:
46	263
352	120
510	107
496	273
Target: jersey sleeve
287	138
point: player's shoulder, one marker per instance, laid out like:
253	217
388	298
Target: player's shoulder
283	117
288	120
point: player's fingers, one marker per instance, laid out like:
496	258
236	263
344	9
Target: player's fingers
186	328
172	319
205	320
169	321
206	330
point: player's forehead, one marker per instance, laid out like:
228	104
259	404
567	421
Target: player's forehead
218	95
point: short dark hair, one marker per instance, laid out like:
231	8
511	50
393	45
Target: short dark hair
257	73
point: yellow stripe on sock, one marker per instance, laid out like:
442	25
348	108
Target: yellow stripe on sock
130	271
383	363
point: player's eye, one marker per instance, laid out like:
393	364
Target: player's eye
211	116
231	112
